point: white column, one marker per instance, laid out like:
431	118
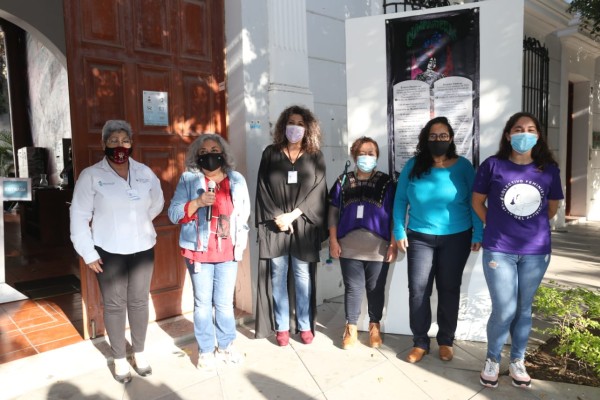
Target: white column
288	56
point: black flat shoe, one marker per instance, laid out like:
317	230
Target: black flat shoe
143	371
123	378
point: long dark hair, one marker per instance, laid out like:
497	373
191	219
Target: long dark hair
311	142
423	157
541	153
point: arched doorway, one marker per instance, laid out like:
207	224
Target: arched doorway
116	51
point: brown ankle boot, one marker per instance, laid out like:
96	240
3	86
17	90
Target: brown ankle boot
350	336
374	335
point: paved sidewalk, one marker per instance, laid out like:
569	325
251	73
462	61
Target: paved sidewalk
321	370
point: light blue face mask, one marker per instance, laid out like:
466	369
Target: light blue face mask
523	142
366	163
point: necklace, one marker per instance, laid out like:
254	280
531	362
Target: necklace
289	154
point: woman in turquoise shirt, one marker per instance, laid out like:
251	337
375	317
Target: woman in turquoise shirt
435	187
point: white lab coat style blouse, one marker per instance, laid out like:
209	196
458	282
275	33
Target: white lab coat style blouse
121	211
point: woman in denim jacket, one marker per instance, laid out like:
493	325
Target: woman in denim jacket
212	205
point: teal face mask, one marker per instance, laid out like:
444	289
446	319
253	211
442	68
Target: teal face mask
523	142
366	163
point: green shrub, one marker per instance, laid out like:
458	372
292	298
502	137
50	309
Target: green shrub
575	316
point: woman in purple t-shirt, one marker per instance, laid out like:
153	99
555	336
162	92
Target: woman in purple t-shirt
521	184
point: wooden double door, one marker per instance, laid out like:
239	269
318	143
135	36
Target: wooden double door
118	49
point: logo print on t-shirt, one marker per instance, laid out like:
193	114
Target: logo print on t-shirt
522	200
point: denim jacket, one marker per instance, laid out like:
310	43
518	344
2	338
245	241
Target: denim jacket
194	234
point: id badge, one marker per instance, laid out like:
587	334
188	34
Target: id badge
133	194
360	211
292	177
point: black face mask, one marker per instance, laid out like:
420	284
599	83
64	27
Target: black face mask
210	161
438	148
118	155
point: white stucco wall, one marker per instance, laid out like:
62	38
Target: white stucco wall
251	113
248	70
582	71
327	81
594	175
500	97
579	148
49	111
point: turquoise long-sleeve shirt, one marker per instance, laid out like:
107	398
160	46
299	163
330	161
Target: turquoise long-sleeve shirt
438	203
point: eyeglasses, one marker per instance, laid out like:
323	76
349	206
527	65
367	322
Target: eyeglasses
115	141
443	137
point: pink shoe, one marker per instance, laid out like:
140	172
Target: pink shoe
283	338
307	337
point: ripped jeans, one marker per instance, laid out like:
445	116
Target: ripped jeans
512	281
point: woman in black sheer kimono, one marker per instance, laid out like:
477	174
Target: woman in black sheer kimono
291	211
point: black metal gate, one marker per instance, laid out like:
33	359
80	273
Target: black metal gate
536	69
409	5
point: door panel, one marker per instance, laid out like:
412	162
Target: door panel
196	28
105	97
102	21
152	19
115	51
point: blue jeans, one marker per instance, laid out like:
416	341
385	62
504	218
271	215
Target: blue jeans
441	258
214	286
281	304
512	281
360	275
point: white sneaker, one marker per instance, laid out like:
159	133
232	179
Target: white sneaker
141	365
141	361
121	367
207	361
122	371
518	373
230	355
489	374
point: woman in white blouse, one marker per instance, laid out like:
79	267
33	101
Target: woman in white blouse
120	197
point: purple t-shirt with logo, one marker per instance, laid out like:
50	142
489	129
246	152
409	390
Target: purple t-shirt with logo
517	199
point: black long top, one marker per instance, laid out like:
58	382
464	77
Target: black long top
275	196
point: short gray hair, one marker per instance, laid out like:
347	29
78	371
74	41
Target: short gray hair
191	156
115	125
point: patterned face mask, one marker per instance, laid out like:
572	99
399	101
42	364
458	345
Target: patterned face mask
118	155
294	133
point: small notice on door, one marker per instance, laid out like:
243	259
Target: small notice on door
156	108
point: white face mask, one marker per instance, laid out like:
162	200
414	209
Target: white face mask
294	133
366	163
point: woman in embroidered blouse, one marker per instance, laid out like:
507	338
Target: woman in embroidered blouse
212	204
291	201
360	223
435	186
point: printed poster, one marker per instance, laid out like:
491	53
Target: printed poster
433	70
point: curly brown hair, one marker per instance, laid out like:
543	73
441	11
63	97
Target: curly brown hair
311	142
359	142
